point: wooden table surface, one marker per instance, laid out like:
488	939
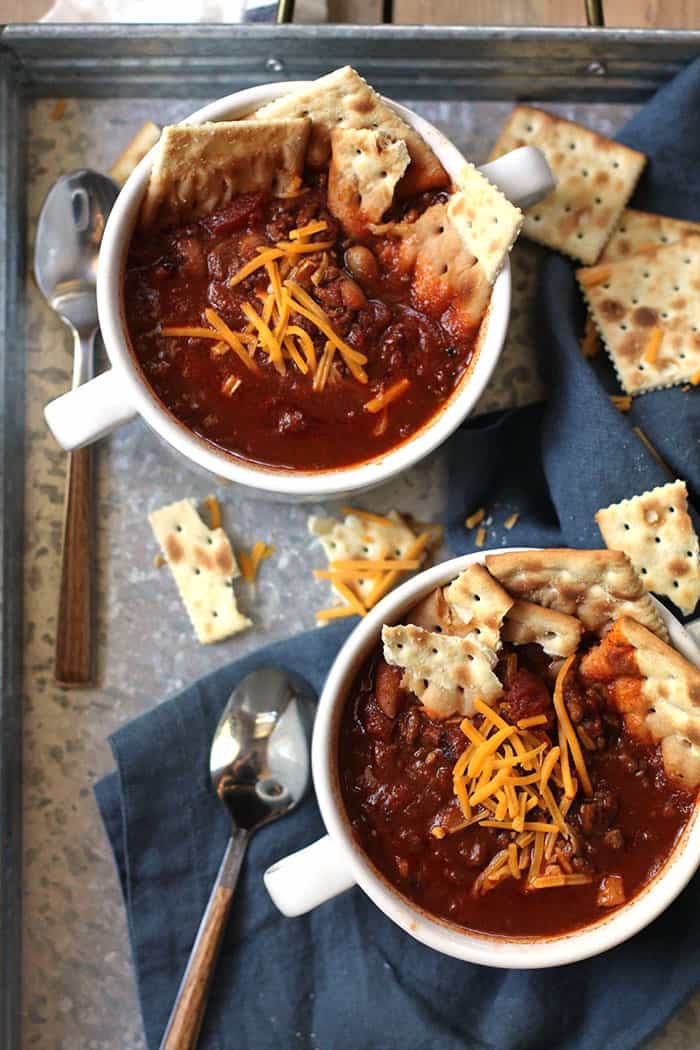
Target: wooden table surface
671	14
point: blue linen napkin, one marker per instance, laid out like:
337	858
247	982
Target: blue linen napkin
344	977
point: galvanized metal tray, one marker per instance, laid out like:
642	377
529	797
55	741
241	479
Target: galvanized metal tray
77	988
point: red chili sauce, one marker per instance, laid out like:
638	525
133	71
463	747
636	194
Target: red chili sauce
173	275
396	780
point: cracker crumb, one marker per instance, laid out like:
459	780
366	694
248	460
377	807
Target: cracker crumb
511	520
159	561
476	518
437	832
622	402
58	109
480	537
695	378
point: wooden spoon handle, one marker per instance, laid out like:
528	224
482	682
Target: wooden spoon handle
73	660
182	1030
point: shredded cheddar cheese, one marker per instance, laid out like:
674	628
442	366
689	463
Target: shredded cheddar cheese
476	518
652	346
309	230
510	521
622	402
250	561
394	392
505	773
214	507
593	276
480	538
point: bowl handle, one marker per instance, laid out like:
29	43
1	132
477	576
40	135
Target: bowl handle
307	878
89	411
523	176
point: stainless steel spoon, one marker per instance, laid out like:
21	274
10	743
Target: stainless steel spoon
259	766
68	237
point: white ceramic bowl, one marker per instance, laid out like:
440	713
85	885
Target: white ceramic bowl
116	396
336	862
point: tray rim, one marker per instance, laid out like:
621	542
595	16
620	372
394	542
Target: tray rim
31	56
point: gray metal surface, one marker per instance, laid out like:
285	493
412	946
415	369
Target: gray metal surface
77	986
417	62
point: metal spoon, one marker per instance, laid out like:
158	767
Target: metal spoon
259	764
68	237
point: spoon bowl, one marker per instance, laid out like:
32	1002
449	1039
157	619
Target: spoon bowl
259	760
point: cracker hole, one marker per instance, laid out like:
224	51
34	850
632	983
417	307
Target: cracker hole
425	683
627	526
460	688
178	528
664	313
214	613
689	553
606	286
365	550
682	356
572	145
599	200
399	645
616	164
434	652
537	218
640	367
580	236
470	656
477	597
634	301
676	583
646	274
676	288
644	572
445	268
567	208
584	172
437	628
623	327
664	239
622	229
397	552
529	127
657	539
686	260
197	572
671	510
209	540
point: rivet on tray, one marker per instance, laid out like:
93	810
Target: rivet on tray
273	65
596	69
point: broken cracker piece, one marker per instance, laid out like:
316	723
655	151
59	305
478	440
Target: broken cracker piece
364	170
595	179
459	669
364	539
557	633
656	533
342	99
203	566
595	586
200	168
